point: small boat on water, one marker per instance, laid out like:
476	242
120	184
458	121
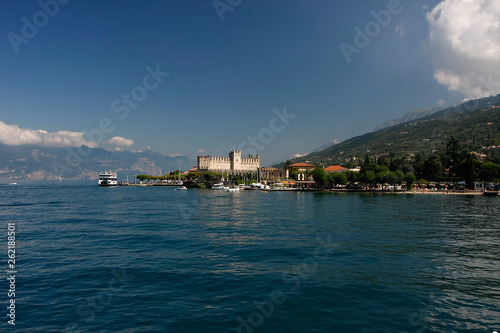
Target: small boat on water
232	189
257	186
492	190
219	186
491	193
107	179
250	188
13	183
180	183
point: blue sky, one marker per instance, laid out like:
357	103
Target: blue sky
225	77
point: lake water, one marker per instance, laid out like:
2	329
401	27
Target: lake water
151	259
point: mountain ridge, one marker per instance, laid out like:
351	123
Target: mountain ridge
477	121
409	116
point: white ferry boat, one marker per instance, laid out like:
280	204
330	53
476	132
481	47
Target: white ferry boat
107	179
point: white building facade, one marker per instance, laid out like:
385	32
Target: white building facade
233	164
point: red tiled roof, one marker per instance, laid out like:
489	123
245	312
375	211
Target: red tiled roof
334	168
298	165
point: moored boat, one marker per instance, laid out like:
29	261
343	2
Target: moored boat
219	186
491	193
180	183
181	188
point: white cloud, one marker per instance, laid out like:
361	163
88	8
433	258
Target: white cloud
465	44
440	103
176	155
120	141
201	150
298	155
13	135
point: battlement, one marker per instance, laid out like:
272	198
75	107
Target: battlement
233	163
219	159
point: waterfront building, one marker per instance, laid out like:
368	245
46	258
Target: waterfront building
303	167
273	173
233	164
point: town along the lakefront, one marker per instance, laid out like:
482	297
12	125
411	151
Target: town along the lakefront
375	174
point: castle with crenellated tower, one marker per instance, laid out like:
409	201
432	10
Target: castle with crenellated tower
233	164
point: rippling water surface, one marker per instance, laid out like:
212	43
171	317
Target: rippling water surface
151	259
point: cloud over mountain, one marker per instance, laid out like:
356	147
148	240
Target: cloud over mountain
465	44
13	135
120	141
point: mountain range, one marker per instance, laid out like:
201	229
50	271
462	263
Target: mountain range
51	163
476	123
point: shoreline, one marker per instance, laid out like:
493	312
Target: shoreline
408	192
451	192
421	192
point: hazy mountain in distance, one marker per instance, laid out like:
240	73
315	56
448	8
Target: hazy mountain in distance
51	163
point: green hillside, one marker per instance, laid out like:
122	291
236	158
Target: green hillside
476	124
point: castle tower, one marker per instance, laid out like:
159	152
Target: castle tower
204	163
235	157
